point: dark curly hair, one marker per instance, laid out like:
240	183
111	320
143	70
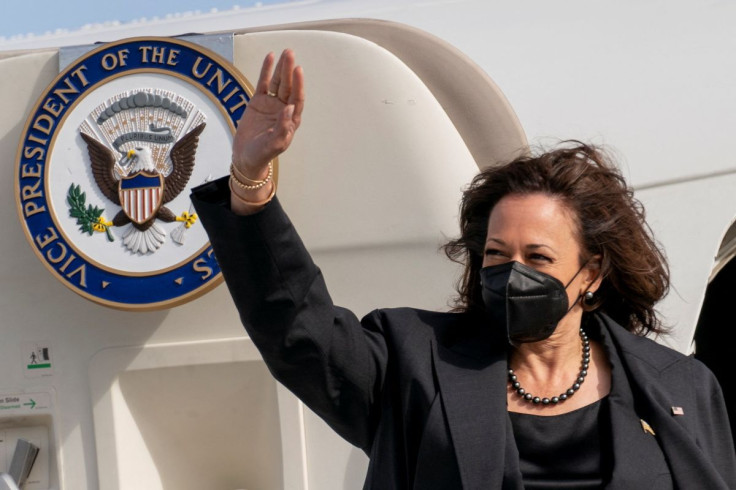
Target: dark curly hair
610	222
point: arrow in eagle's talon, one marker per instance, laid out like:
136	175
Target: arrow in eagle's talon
187	218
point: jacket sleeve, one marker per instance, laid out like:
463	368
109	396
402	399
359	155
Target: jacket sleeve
713	428
322	353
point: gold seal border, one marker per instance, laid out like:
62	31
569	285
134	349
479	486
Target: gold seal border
185	298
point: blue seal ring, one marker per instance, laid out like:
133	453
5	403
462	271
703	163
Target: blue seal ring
135	291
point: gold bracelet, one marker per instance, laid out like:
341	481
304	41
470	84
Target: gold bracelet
254	184
253	203
241	176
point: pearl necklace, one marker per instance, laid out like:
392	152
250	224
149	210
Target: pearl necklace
565	395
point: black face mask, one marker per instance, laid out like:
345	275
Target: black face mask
527	303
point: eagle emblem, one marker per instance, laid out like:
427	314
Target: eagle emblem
108	156
143	166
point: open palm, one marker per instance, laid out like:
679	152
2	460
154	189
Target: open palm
272	117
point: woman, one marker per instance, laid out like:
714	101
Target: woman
537	380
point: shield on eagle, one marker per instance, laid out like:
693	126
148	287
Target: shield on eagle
141	195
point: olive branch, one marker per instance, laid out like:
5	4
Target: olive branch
89	218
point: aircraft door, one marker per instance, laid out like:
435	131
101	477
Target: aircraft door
715	336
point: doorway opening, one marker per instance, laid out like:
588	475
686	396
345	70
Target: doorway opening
715	335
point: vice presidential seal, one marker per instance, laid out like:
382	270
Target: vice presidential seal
105	165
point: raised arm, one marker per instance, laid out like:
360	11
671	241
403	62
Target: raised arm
265	131
321	352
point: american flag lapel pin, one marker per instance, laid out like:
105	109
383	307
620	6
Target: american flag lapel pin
678	411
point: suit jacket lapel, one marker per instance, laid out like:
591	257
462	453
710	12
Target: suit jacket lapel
473	391
637	459
684	459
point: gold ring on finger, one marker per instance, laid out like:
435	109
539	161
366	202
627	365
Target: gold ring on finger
272	94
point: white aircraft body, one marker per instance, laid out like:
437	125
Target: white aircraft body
406	99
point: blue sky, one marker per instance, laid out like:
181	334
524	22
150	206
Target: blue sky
40	16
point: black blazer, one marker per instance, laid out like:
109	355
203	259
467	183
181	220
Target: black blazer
424	393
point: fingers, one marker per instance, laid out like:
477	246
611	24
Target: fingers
263	78
296	97
285	77
268	129
273	86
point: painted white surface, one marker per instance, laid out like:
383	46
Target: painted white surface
690	219
192	415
